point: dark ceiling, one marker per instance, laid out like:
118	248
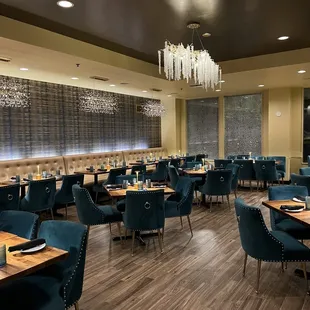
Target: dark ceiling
138	28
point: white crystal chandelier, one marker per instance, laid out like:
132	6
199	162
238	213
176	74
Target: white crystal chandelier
182	62
92	101
14	93
153	108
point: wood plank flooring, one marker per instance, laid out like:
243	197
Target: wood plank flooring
204	272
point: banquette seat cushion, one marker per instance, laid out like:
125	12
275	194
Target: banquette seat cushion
81	161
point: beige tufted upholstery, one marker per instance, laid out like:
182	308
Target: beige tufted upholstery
23	167
80	162
134	154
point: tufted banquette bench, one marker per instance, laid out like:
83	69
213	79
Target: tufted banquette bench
132	155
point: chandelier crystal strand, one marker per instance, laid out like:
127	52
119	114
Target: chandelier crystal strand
14	93
92	101
153	108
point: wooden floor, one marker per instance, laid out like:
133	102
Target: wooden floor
204	272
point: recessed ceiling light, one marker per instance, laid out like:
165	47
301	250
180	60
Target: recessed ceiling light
65	4
222	81
144	91
112	85
74	78
261	85
301	71
206	35
169	95
283	38
23	69
217	90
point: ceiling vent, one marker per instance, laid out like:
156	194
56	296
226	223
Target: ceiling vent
99	78
5	59
124	83
156	89
195	85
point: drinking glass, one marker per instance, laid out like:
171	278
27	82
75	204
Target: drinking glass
140	185
91	168
134	180
30	176
17	178
125	184
307	202
44	174
57	172
2	255
148	183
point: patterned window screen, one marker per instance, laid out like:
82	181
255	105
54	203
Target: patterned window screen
202	126
53	125
243	124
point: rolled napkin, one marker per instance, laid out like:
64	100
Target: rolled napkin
102	169
291	208
298	198
26	245
26	179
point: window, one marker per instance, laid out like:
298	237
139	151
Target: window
243	122
202	126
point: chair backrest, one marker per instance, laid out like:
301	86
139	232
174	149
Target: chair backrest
265	170
140	168
64	195
175	162
283	193
235	175
256	239
71	237
301	180
192	164
245	156
281	165
144	210
173	176
246	170
185	189
9	197
222	163
40	195
304	171
218	182
231	157
189	159
161	170
88	212
199	157
21	223
114	173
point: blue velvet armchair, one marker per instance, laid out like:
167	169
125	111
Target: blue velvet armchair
264	245
265	171
175	162
182	206
234	179
40	196
144	212
304	171
282	222
173	176
199	157
246	170
140	168
160	173
20	223
221	163
64	195
89	214
280	166
9	197
218	183
301	180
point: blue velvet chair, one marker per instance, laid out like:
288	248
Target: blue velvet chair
64	195
89	214
308	160
265	171
173	176
160	174
20	223
140	168
301	180
246	170
304	171
187	159
235	175
175	162
264	245
113	173
192	164
40	196
281	166
245	156
9	197
282	222
182	206
145	212
199	157
232	157
218	183
221	163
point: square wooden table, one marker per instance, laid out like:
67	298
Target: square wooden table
19	265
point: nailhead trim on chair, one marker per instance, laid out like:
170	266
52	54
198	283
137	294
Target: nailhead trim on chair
74	271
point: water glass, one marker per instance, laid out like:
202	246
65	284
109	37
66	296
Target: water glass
148	183
307	202
124	163
200	165
2	255
44	174
125	184
57	172
134	180
30	176
140	185
91	168
17	178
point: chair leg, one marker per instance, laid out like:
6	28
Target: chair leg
76	306
222	199
282	181
244	262
133	241
257	185
285	265
259	263
210	203
228	201
110	229
235	192
125	234
251	185
119	231
52	213
181	221
160	241
162	233
217	200
190	225
304	267
66	211
282	266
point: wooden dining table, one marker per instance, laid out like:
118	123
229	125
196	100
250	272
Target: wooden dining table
19	265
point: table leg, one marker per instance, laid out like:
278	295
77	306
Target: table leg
22	191
96	179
